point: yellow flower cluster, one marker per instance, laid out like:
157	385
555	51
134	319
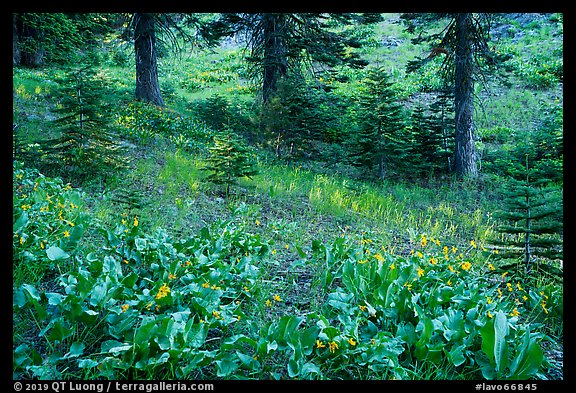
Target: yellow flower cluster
162	292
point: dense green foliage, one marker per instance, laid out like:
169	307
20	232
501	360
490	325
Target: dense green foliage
344	248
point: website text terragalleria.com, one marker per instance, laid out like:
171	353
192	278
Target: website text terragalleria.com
101	387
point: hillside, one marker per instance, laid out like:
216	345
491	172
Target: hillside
136	266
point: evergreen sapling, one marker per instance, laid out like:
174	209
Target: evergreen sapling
229	159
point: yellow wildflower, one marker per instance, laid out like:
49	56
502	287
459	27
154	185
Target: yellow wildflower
277	298
135	221
319	344
66	234
268	303
362	308
433	260
206	285
392	266
423	241
420	272
451	268
491	267
257	222
216	314
490	314
519	287
419	254
466	265
473	243
125	307
499	292
332	346
171	276
543	305
163	291
514	312
509	286
351	341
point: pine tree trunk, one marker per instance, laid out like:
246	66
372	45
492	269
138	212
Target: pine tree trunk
147	86
15	44
465	163
275	60
28	50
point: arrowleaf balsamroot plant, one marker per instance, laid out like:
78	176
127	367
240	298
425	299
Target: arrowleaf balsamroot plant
146	305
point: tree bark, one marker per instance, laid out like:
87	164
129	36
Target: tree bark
15	45
28	50
275	55
465	163
147	86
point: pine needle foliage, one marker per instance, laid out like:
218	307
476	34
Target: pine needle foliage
229	159
381	142
533	220
85	146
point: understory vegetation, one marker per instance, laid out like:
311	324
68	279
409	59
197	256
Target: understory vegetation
197	241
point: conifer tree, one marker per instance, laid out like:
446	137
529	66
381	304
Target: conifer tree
533	217
427	149
85	146
229	160
381	141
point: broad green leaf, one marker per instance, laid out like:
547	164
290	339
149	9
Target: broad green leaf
528	360
98	293
144	332
500	344
287	326
114	347
271	346
54	299
225	367
163	342
20	221
56	253
87	363
308	339
456	355
76	349
293	368
59	331
309	369
141	244
196	333
75	236
247	360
